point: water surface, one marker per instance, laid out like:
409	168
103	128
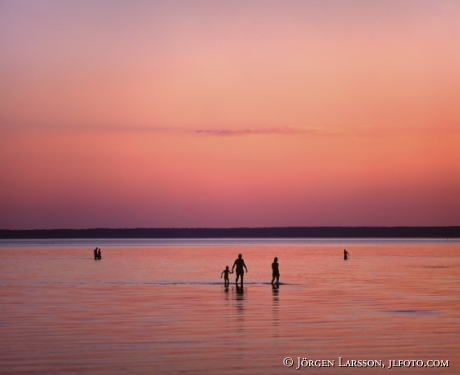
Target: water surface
160	307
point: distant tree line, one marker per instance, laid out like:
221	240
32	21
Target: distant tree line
268	232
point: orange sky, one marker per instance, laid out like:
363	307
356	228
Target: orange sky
247	113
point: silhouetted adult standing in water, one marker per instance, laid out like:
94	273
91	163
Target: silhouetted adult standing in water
275	272
95	253
346	254
240	267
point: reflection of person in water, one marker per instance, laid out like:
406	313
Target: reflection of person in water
275	271
346	254
240	267
225	273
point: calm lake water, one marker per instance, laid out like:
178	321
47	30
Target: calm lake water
160	307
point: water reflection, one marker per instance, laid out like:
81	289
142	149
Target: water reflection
239	293
225	291
275	293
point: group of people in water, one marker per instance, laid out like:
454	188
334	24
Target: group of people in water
97	254
241	266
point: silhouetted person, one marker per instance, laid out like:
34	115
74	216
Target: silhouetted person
240	267
275	271
95	253
225	273
99	255
346	254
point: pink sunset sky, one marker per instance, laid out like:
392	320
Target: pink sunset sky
229	113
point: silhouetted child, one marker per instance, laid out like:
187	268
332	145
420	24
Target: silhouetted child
225	273
346	254
99	255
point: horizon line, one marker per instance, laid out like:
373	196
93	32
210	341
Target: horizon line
239	232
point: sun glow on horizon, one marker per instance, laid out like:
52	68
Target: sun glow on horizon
229	114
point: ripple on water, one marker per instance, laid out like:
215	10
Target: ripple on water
412	312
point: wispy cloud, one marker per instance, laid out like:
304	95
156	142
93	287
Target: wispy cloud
314	131
215	132
251	132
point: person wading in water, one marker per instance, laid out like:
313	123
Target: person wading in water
276	272
240	267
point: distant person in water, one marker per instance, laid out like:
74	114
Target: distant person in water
275	272
240	267
225	273
99	255
95	253
346	254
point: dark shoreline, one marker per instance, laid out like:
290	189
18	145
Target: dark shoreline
263	232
